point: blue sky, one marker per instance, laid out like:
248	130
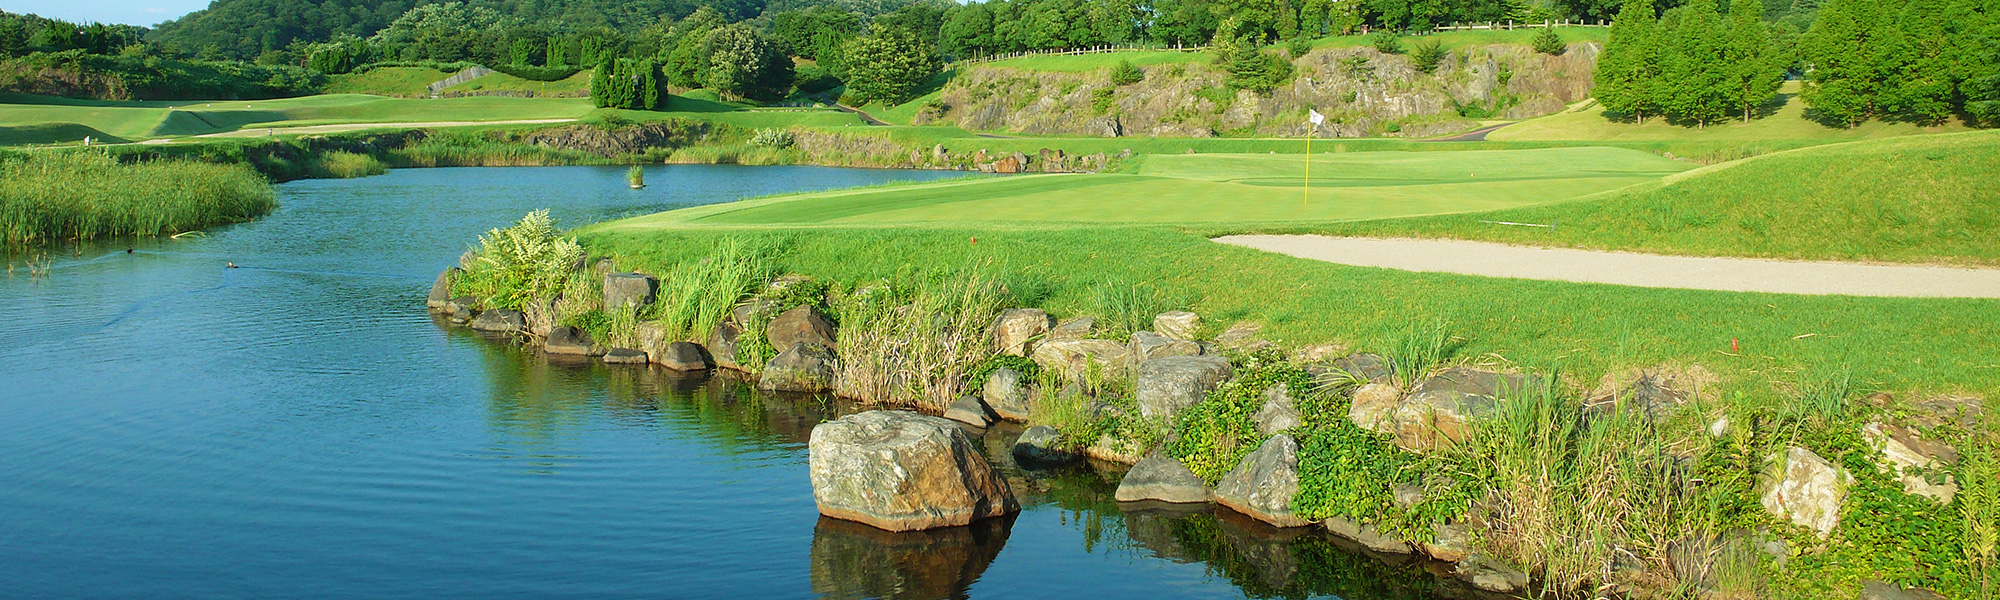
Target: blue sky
130	12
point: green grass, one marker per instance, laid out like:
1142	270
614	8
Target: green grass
401	82
1923	199
1231	188
575	84
1453	40
1449	40
80	195
1081	63
139	120
1785	121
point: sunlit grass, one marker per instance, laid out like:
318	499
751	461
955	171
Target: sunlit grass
49	196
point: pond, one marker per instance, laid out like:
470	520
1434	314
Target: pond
299	427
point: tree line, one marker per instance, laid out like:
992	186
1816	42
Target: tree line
1698	63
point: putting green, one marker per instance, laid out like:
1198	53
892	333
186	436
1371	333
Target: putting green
1220	188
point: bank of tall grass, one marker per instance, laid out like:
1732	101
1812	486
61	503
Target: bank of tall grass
50	196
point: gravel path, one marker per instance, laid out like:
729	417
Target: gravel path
1626	268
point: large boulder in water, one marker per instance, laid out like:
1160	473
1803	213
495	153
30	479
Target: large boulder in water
441	288
1041	446
904	471
803	368
500	320
1162	478
1167	385
1005	393
682	356
1262	485
567	340
722	346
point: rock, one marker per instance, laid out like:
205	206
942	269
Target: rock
1242	336
1007	396
1179	325
1262	485
1964	412
1374	407
1406	495
1106	126
803	368
1167	385
1016	329
801	325
1719	428
650	337
852	560
1442	409
500	320
624	356
441	289
461	310
1366	535
722	345
1039	446
1366	367
1908	457
1450	542
1007	165
1651	392
1278	412
1146	345
683	356
1111	449
902	471
1162	478
1805	489
1485	573
570	341
1877	590
1073	358
629	290
970	411
1073	329
1318	352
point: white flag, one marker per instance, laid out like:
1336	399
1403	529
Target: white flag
1315	117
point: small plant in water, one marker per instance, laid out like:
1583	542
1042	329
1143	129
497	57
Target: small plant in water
636	176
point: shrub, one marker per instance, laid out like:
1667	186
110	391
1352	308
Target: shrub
1547	42
1101	100
1427	55
1124	73
1123	307
976	378
1298	47
773	137
515	265
530	73
1387	42
813	79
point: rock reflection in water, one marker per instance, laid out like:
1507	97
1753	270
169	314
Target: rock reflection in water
853	560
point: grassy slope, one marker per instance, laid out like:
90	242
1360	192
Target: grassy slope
1911	199
1077	63
578	83
401	82
1228	188
1786	121
144	120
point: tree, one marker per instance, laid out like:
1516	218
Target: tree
1695	90
558	53
1921	64
967	31
650	96
1547	42
1981	86
888	65
1629	68
744	63
1124	73
1755	66
1426	55
1844	52
600	86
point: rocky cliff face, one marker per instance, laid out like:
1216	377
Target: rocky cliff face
1363	92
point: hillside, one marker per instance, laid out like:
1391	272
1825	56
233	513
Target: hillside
1921	199
1362	91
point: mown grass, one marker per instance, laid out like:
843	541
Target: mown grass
399	82
1924	199
574	85
145	120
1235	188
82	195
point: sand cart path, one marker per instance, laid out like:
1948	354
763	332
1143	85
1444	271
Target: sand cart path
1643	270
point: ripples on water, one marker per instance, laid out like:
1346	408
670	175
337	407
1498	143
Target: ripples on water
298	427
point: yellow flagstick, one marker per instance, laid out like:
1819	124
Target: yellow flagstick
1314	117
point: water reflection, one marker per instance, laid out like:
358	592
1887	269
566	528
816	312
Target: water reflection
852	560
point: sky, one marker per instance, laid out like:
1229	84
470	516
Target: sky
129	12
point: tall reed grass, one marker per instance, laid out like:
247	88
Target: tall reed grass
344	165
696	296
47	196
916	347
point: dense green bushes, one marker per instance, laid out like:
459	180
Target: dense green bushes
83	195
155	78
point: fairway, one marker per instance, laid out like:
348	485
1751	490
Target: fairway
140	120
1223	188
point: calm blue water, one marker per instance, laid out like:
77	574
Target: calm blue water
299	428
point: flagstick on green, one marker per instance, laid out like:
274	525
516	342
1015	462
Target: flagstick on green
1315	118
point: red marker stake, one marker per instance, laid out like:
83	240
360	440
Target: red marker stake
1732	347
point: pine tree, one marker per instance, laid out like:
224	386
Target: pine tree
1629	68
649	85
1695	89
1755	65
600	85
557	57
1921	64
1844	58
